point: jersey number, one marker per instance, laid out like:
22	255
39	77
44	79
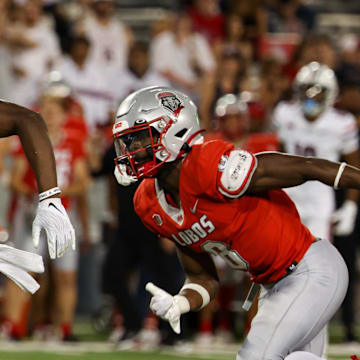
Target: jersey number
231	257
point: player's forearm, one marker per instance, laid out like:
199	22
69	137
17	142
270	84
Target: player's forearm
202	282
36	143
194	297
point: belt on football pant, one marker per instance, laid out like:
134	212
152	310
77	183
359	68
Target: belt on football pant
255	287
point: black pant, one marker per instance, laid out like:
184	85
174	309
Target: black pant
131	251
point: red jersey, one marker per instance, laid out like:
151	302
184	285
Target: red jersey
259	233
66	153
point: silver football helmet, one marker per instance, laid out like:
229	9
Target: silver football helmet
154	126
316	88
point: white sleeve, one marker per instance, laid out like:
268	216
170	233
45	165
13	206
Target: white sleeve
160	52
237	170
350	136
204	55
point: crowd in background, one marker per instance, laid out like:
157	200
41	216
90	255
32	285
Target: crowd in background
74	62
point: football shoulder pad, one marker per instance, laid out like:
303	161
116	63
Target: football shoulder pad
236	173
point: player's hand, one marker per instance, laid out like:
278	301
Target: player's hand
167	307
344	218
16	264
122	177
52	217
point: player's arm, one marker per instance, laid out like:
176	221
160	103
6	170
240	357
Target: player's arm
278	170
199	269
32	131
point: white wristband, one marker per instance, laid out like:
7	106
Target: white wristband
338	175
201	290
48	193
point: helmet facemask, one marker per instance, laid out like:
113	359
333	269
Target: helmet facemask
139	148
313	100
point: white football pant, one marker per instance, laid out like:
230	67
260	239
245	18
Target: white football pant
293	312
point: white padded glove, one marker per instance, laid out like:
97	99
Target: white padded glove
122	177
15	264
52	217
167	307
344	218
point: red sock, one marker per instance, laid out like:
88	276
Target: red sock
206	326
151	322
66	329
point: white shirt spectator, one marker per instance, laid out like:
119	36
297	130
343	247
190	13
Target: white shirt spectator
181	58
109	44
127	82
34	61
90	89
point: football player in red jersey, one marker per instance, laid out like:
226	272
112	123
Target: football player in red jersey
211	198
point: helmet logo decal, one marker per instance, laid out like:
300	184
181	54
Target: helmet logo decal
157	219
171	102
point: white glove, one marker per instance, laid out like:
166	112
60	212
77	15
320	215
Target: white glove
344	218
166	306
122	176
52	217
15	264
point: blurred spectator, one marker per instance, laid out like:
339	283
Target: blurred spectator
253	15
110	39
33	46
139	74
182	56
5	66
272	83
88	85
234	40
232	119
207	19
314	47
55	86
228	78
73	180
289	16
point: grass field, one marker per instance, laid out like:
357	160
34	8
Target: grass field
103	351
93	347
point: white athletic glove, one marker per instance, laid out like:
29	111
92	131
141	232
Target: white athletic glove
122	177
167	307
15	264
52	217
344	218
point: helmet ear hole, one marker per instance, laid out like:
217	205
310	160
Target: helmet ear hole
181	133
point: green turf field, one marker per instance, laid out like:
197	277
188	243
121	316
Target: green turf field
94	347
117	356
